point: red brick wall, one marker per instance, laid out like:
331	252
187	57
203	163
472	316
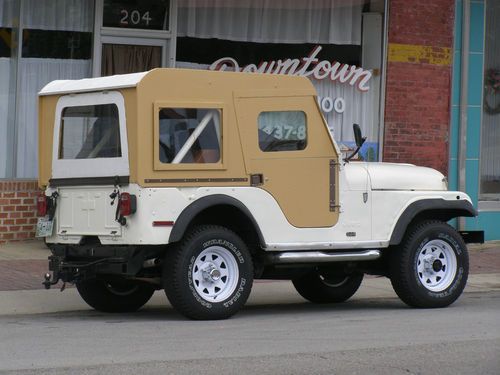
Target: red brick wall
417	108
17	210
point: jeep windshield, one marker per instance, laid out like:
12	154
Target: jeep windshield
89	132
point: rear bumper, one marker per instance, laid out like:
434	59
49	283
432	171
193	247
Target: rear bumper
75	263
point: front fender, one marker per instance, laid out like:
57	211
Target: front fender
439	209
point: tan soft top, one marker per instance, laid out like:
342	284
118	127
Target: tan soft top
145	93
70	86
240	97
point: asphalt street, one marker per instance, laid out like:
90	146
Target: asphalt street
276	333
49	332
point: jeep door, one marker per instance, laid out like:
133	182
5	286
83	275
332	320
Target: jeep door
289	152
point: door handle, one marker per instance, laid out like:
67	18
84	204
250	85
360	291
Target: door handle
257	179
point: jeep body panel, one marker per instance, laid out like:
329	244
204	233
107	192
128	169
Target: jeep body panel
392	176
297	200
300	181
356	228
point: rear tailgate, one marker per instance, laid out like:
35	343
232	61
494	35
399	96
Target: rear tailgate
87	211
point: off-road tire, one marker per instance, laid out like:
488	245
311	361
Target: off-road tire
114	297
411	284
317	288
187	276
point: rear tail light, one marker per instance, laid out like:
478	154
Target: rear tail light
41	204
128	204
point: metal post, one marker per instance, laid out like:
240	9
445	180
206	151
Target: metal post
464	84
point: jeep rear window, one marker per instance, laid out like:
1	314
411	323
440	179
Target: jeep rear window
89	132
189	135
282	131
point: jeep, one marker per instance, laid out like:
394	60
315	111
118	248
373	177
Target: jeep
199	182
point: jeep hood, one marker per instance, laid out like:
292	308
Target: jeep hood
393	176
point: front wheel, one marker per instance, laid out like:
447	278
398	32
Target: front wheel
208	275
324	287
431	266
114	296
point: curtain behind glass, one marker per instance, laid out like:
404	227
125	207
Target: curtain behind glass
60	15
34	74
490	132
70	15
272	21
124	58
9	14
8	10
288	22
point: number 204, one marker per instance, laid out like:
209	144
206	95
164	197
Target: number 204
134	17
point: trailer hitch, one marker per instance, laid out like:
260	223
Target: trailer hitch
71	270
48	282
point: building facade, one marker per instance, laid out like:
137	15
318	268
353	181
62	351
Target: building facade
474	164
386	65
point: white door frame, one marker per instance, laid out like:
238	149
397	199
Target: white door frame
109	35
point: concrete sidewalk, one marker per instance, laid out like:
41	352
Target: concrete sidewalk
21	302
22	265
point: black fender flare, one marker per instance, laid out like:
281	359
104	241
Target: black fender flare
441	208
190	212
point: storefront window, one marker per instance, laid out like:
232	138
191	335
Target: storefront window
9	18
490	142
336	43
57	44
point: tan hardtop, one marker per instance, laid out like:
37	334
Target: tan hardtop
146	93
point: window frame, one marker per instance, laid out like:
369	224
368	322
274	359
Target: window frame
84	140
159	165
95	167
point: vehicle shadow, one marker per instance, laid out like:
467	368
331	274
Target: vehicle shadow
254	310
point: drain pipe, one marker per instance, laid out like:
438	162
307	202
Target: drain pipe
464	85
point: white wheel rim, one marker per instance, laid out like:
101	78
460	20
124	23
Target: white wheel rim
215	274
332	283
436	265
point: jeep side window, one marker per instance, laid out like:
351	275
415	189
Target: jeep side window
89	132
189	135
282	131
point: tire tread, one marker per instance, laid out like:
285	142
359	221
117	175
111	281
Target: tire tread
401	281
173	266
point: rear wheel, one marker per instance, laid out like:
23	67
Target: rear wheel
431	266
324	287
114	296
208	275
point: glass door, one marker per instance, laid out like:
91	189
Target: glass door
133	36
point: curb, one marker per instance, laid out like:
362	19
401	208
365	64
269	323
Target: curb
32	302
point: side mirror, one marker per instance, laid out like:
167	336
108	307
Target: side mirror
357	135
359	141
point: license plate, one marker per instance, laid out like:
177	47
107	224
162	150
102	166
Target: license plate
44	227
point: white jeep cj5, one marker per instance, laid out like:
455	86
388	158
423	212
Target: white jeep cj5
199	182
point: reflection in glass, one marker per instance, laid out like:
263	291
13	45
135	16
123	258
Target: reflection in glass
89	132
490	131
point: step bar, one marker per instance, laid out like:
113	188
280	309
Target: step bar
294	257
